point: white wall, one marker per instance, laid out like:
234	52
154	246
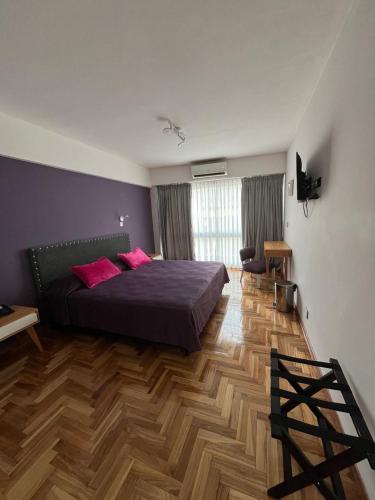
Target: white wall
246	166
25	141
333	250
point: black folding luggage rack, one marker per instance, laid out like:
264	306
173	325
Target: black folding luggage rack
357	447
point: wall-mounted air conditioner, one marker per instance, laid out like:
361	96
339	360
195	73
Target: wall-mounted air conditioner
209	169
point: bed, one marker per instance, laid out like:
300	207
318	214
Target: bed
162	301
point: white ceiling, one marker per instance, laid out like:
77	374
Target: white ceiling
235	74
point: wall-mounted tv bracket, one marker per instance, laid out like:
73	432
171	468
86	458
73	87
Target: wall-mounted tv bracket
356	449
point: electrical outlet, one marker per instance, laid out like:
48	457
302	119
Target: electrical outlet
306	313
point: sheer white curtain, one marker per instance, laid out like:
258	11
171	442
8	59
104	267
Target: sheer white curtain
216	219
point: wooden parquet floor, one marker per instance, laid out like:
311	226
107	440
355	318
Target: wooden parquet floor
103	417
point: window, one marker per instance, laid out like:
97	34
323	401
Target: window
216	220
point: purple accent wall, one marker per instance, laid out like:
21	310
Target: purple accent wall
41	205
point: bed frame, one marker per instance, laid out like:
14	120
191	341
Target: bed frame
53	261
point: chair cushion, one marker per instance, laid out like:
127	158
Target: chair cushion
255	267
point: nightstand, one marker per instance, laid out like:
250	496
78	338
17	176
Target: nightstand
155	256
23	318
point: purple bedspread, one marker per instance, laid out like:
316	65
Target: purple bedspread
162	301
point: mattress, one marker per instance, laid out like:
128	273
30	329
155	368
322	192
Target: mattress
162	301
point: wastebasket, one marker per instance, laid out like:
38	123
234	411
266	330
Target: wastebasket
284	295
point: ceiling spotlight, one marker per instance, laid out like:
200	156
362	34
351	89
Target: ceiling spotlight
174	129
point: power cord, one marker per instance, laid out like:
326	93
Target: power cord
306	208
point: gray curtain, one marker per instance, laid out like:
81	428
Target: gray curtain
262	210
174	203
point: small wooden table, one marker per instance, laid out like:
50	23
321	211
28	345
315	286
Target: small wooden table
155	256
278	249
23	318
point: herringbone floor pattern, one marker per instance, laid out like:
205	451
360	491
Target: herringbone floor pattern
103	417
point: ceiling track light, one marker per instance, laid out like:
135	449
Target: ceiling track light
174	129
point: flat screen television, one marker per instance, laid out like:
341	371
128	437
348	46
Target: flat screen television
301	180
306	186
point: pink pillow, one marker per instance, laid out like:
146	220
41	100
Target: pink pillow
96	272
135	258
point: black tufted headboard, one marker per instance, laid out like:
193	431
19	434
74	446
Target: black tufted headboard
53	261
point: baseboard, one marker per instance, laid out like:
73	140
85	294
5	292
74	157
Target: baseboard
305	336
313	357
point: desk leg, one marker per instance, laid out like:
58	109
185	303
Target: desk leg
34	337
267	259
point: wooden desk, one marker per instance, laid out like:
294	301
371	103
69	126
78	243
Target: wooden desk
23	318
278	249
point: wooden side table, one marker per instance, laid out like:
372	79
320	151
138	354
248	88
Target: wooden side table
155	256
23	318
